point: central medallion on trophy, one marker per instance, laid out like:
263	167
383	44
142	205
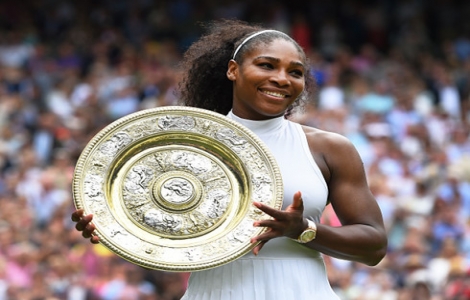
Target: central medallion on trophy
176	190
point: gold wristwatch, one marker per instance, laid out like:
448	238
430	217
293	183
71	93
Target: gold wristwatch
308	234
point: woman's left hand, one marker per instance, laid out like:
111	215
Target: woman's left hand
289	222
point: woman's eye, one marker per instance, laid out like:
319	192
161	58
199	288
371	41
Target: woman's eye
298	73
266	65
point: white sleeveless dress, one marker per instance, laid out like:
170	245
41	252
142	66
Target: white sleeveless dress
283	269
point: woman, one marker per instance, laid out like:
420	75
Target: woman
257	77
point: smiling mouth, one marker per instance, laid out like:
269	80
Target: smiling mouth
275	94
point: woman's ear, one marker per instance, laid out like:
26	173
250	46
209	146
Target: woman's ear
232	71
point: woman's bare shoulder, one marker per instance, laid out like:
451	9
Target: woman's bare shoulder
330	150
325	140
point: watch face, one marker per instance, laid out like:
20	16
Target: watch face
307	236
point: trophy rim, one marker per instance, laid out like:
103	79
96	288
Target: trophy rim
166	243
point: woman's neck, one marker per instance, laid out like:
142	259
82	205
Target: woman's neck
259	126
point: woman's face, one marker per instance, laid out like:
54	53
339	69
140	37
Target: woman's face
268	80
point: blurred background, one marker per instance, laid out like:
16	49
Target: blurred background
393	76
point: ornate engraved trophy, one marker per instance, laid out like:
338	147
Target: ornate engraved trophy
171	188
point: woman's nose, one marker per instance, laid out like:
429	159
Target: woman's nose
281	78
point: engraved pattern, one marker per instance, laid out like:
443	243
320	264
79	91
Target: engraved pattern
93	186
163	222
177	190
262	185
142	129
194	189
173	122
230	138
242	233
193	254
159	218
138	179
217	247
217	203
194	163
115	143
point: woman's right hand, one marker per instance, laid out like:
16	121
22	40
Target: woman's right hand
85	226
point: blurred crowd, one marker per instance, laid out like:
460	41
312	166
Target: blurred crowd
393	76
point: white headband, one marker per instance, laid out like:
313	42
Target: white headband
250	37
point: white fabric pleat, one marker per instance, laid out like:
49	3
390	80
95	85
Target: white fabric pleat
269	279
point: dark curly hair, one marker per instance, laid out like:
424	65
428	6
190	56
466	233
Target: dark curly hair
204	65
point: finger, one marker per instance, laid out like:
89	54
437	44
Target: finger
80	226
77	215
297	202
88	230
258	247
273	224
95	240
86	234
84	221
277	214
266	236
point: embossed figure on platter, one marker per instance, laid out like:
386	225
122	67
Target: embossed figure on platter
116	142
195	163
177	190
176	122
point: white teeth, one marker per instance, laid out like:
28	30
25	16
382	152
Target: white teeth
275	94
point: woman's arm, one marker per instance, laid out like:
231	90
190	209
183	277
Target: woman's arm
362	236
